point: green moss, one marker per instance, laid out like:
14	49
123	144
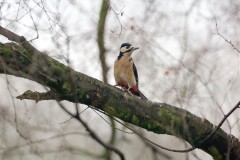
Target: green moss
215	153
122	113
125	115
56	63
67	87
135	120
57	67
6	51
149	125
110	110
11	50
165	115
24	54
57	70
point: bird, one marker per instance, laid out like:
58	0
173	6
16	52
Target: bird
125	71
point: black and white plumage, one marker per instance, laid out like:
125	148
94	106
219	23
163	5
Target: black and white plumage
125	71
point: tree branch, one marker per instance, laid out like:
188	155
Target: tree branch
102	57
94	136
91	133
159	118
100	37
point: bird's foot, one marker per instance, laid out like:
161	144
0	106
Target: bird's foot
128	91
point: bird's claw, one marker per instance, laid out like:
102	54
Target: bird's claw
128	90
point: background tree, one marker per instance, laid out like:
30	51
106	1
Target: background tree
184	56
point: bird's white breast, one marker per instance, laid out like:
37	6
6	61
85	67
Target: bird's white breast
123	71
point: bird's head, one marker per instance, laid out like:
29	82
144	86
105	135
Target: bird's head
127	49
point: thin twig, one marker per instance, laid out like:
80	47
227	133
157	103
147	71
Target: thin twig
117	16
18	39
228	41
109	123
184	150
73	117
92	134
41	140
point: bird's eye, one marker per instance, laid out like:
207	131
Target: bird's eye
129	47
126	48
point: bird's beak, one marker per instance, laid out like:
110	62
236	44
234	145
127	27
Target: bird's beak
135	48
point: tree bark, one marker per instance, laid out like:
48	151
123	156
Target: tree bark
67	84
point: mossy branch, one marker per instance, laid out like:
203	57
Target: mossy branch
37	96
67	84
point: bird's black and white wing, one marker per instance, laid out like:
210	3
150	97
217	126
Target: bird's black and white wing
135	73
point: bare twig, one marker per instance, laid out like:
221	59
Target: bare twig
41	140
18	39
228	41
117	16
73	117
109	123
92	133
95	137
34	24
50	20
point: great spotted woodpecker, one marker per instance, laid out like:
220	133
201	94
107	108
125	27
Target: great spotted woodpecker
125	71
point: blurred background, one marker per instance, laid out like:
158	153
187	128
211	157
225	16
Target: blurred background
188	57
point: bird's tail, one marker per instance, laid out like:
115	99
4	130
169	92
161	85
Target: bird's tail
135	90
142	96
